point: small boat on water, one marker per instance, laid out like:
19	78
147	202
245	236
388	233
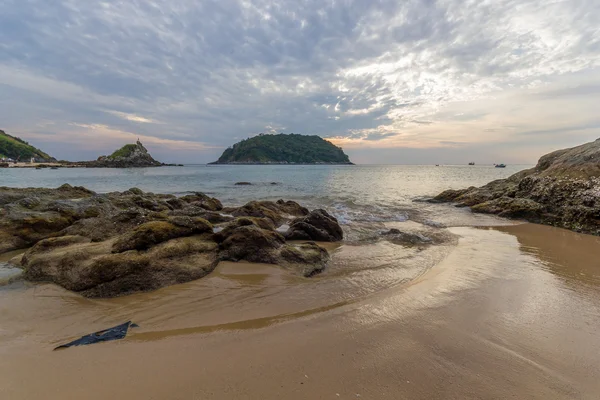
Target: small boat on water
471	163
53	167
500	165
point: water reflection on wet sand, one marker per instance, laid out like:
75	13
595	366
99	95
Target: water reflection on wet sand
510	312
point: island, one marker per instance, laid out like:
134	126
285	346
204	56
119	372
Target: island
284	149
14	150
128	156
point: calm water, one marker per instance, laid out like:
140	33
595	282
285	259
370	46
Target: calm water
360	182
352	193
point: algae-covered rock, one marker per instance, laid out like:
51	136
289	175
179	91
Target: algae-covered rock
307	258
106	245
250	243
203	201
277	212
93	271
154	232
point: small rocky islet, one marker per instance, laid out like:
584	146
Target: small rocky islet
113	244
562	190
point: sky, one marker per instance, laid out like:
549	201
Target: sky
400	82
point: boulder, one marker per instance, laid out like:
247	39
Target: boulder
275	211
260	209
154	232
91	270
106	245
250	243
203	201
308	258
318	225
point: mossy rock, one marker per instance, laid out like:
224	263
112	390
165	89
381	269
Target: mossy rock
147	235
308	258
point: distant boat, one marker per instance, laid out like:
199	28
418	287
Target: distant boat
500	165
471	163
53	167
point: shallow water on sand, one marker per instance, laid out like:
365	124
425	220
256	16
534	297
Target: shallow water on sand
503	312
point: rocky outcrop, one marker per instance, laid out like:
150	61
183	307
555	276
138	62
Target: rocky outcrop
128	156
318	225
30	215
105	245
562	190
92	270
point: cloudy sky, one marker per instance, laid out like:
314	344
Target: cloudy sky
412	81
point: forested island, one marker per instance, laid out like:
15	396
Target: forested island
283	149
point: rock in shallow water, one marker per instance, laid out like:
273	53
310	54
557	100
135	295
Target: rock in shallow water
106	245
318	225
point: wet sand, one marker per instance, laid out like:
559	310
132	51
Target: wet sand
508	312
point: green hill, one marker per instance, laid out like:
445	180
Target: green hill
18	149
283	149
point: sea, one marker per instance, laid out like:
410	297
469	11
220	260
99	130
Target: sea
352	193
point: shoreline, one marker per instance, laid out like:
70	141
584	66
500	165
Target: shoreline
464	329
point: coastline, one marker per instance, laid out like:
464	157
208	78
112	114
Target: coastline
276	163
473	326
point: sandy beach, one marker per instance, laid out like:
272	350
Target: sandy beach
509	312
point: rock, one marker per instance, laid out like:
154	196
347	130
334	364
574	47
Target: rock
259	209
512	208
135	191
203	201
406	238
318	225
308	258
290	207
154	232
276	212
562	190
250	243
106	245
56	242
449	195
91	270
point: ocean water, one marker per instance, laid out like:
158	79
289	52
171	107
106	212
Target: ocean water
354	194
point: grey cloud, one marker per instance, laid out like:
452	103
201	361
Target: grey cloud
217	70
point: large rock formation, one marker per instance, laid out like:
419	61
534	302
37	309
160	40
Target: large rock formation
562	190
105	245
